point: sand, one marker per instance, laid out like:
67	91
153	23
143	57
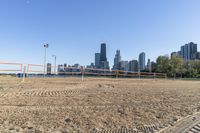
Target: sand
95	104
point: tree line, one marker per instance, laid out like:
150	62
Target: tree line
177	67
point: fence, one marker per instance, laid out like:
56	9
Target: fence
38	70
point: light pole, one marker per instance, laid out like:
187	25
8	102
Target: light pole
45	52
54	64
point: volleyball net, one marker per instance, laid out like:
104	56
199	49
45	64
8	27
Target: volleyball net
33	70
10	67
92	72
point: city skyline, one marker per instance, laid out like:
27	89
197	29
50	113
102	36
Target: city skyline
187	52
74	29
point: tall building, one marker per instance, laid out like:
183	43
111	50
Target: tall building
49	68
104	64
193	50
97	60
182	51
198	55
142	61
133	66
117	60
189	51
149	65
103	52
124	65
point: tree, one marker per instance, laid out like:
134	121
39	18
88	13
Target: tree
163	64
176	66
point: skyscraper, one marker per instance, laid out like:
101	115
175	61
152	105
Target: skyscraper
182	52
186	52
189	51
97	60
117	60
142	61
103	52
193	50
198	55
133	66
124	66
104	64
149	65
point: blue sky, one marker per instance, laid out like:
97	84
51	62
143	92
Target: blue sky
75	28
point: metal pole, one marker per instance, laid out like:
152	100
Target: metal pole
117	74
54	64
45	47
24	74
44	60
139	74
82	71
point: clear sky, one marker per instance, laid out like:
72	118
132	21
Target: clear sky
75	28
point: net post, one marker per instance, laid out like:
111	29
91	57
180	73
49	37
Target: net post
24	74
117	74
139	74
154	76
82	72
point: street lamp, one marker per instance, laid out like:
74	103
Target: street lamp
54	64
45	51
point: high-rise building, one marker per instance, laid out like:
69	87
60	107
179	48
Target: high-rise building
142	61
104	64
186	50
97	60
193	50
198	55
103	52
124	65
149	65
133	66
182	52
189	51
49	68
117	60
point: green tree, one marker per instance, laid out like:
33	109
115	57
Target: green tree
163	64
176	66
